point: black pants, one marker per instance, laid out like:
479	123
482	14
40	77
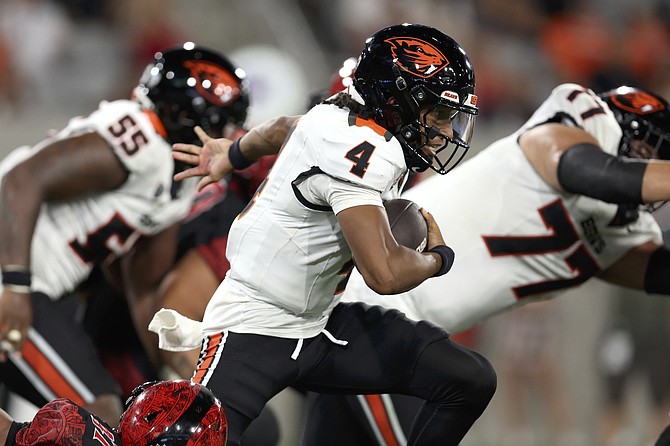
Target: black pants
58	359
385	353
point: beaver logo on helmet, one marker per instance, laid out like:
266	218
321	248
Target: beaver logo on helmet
417	56
638	102
213	82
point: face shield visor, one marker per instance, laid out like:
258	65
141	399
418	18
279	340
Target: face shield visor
445	134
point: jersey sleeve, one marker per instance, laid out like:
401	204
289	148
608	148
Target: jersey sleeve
573	104
63	423
130	133
353	149
339	195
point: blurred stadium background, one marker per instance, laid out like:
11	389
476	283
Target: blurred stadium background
59	58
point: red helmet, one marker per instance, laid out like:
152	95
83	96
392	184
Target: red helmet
178	412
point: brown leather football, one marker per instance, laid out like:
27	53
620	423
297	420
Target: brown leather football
407	223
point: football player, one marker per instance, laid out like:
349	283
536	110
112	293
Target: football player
167	413
200	265
275	319
565	198
94	192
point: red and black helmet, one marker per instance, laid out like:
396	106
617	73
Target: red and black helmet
644	119
192	86
406	68
173	413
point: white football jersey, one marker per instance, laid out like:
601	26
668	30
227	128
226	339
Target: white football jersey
288	256
516	238
71	237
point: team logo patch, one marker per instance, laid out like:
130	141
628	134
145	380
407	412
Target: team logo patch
214	83
638	102
417	56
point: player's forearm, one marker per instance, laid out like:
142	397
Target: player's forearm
20	202
181	363
141	299
412	269
266	138
403	270
142	271
655	184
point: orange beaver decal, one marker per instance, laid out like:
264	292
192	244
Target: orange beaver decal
638	102
213	82
417	56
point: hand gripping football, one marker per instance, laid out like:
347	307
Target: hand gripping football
407	223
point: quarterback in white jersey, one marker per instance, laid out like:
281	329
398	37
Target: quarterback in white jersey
100	190
559	201
275	320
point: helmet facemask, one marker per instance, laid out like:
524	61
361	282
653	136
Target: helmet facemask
643	140
645	124
424	143
181	115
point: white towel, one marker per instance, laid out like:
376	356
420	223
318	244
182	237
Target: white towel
176	333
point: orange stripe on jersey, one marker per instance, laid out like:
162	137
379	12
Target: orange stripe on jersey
49	374
207	357
156	122
378	129
381	419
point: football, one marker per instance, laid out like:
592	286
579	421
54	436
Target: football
407	223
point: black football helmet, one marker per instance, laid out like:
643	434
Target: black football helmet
645	122
192	86
407	69
173	413
644	119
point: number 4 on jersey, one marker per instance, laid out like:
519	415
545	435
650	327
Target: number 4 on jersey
360	156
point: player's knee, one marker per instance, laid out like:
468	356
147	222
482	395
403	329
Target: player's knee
469	379
480	383
263	431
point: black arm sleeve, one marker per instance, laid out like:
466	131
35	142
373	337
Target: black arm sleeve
657	277
585	169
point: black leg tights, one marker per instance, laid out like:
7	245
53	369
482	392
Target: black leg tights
453	405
